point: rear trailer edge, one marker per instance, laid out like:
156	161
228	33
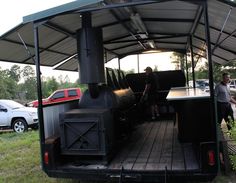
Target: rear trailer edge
147	176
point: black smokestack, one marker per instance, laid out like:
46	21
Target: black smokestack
90	51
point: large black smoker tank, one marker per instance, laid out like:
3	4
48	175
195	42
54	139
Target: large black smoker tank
89	131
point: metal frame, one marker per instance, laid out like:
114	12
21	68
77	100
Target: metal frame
39	90
41	49
76	8
37	55
218	30
211	80
192	61
202	39
219	36
205	51
228	2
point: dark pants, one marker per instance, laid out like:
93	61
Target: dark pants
152	99
224	111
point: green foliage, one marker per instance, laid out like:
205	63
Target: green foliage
217	72
83	87
178	60
233	161
233	137
28	72
20	159
233	130
49	86
130	71
155	68
7	85
27	90
15	73
203	71
30	88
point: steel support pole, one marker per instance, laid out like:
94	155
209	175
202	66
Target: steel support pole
138	63
119	64
86	20
192	61
186	62
211	83
39	90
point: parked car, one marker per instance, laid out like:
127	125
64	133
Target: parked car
61	95
201	83
16	116
232	83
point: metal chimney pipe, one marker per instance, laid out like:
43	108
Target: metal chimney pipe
90	51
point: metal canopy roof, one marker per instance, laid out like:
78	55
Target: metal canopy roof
129	27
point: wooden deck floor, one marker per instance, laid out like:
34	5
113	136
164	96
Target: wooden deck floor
155	146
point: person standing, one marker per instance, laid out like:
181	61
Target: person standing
151	92
224	100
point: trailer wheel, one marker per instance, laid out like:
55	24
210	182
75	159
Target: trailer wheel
20	125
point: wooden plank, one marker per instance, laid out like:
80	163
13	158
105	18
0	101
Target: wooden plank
155	155
154	146
116	163
132	156
166	153
191	162
177	153
145	151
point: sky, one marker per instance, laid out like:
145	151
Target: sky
13	11
11	15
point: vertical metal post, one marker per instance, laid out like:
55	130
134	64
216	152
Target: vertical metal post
186	62
119	63
138	62
212	93
39	90
86	20
105	55
192	59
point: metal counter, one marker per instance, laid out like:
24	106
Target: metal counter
192	107
183	93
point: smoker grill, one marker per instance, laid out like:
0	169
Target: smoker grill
94	128
87	132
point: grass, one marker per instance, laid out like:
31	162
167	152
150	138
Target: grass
233	137
20	159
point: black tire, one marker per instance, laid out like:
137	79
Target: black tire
35	127
20	125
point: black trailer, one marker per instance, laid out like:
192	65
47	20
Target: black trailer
106	134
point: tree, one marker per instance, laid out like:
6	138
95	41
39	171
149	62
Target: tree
178	60
30	84
155	68
4	94
30	88
28	72
8	85
131	71
27	89
49	86
217	72
15	73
